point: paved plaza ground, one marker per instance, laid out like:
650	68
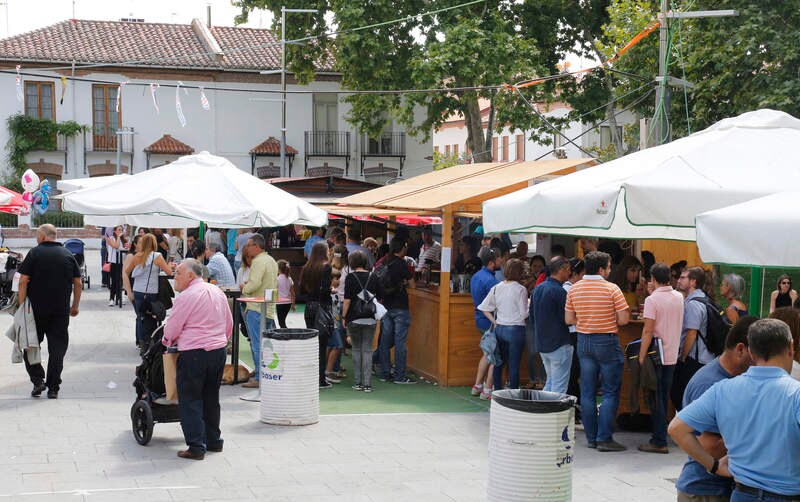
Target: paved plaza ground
80	447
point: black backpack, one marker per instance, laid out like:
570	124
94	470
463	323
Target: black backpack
717	326
388	287
362	306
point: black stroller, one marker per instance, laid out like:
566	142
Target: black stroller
149	384
10	262
76	247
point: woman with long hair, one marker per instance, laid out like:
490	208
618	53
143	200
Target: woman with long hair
627	277
144	269
784	295
315	282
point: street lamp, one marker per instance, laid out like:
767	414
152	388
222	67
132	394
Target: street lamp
282	71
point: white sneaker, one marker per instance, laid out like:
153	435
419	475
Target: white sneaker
486	394
110	303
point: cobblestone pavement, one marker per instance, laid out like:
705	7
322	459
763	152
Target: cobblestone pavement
80	447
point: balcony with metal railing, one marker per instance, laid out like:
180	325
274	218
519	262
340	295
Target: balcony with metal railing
388	145
327	144
105	140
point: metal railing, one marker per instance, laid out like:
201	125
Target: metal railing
106	141
61	219
390	144
327	143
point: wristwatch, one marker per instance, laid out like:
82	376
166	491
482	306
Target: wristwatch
714	467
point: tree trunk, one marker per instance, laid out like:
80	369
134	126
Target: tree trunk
476	141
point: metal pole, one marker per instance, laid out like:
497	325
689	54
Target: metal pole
661	120
119	148
283	91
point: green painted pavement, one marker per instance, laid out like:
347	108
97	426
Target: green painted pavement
424	397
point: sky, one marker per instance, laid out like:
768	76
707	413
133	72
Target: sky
20	16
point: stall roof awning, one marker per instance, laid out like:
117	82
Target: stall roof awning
370	211
468	183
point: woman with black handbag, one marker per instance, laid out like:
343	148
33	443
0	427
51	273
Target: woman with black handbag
315	282
144	269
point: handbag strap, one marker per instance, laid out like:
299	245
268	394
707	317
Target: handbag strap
149	273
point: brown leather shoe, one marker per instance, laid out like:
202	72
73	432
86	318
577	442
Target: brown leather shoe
651	448
191	456
251	384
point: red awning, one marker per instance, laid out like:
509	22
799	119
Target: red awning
403	219
16	205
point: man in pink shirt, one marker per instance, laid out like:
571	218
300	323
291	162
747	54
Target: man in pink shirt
663	318
200	324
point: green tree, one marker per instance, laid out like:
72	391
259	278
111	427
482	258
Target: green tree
485	44
736	64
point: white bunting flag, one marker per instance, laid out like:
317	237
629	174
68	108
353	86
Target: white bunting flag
119	94
178	108
153	87
204	100
20	96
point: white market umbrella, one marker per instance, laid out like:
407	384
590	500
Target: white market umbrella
194	188
67	186
760	232
657	192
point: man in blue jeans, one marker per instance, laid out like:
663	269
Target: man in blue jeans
552	333
263	275
395	324
758	416
597	308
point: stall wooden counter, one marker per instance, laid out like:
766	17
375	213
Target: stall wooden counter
443	341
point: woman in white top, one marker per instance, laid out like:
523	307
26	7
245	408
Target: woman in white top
506	306
115	245
144	269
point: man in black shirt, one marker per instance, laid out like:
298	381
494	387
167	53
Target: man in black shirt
47	277
395	324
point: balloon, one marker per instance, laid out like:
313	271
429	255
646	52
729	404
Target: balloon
41	198
30	181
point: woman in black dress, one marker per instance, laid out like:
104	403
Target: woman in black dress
315	282
784	295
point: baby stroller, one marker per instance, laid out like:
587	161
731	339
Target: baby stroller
149	384
76	247
9	263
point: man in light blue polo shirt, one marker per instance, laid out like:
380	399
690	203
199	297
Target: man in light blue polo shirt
758	416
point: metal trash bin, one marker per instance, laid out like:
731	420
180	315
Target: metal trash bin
531	440
289	377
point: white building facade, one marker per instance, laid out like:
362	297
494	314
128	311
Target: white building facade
510	145
123	77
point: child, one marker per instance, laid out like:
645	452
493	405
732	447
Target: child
285	291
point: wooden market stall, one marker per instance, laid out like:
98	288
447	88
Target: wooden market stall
443	340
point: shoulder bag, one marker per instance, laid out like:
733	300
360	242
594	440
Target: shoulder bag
154	308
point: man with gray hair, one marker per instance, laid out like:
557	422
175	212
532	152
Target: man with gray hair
200	325
757	415
49	275
219	269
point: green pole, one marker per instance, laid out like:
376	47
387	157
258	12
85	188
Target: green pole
201	232
756	278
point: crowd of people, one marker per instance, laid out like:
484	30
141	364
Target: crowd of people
571	310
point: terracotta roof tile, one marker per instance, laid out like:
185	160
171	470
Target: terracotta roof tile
146	44
168	145
272	146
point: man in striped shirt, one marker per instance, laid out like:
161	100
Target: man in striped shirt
597	308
